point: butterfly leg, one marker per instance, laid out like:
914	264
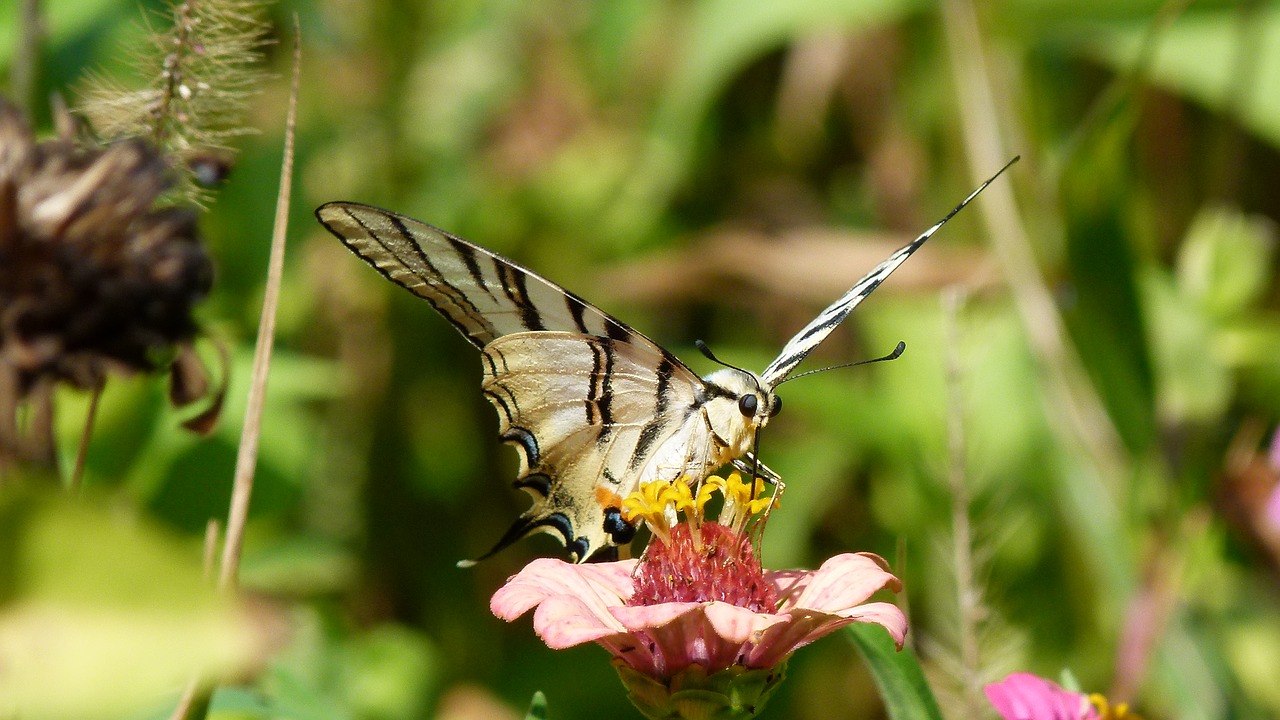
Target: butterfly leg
778	488
752	466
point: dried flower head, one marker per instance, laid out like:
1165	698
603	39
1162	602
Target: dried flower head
93	276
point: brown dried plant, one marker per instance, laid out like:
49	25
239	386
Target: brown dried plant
95	275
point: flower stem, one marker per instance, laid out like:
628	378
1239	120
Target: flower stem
247	458
91	417
174	63
968	594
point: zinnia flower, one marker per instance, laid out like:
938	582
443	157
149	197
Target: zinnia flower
696	627
1023	696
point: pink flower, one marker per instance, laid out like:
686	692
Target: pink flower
1272	509
696	627
1023	696
588	603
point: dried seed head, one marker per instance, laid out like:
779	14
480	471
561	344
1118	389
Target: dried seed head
93	276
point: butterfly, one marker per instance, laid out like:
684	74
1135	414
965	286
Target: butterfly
593	407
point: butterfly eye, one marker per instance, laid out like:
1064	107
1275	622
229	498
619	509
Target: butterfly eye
747	405
777	406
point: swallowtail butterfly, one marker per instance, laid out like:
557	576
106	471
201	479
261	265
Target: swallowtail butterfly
593	407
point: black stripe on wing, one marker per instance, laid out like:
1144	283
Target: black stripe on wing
820	327
446	299
515	285
481	293
467	252
660	421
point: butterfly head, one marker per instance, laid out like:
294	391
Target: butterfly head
743	403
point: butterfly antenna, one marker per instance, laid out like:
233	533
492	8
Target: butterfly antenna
897	352
706	352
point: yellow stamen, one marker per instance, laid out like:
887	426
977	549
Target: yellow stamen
1107	711
647	503
679	496
743	500
660	503
709	488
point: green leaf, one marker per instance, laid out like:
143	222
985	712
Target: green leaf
1105	315
103	616
723	37
1228	60
537	707
897	674
1225	262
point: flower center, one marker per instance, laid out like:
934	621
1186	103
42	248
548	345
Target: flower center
696	559
722	566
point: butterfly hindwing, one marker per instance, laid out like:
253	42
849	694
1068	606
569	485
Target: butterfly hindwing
587	415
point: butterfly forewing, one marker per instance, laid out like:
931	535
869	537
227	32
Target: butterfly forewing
483	295
803	342
591	405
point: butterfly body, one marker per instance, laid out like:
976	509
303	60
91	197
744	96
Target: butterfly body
593	407
727	418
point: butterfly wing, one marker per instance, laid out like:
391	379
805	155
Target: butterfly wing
481	293
592	406
820	327
800	345
591	418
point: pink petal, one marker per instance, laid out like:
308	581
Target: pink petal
563	621
887	615
841	583
712	634
788	583
677	634
615	578
738	625
803	626
1023	696
686	641
641	618
600	585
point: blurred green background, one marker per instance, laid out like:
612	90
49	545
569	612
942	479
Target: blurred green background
1102	382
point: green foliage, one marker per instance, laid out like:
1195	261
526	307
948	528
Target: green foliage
102	615
537	707
897	673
